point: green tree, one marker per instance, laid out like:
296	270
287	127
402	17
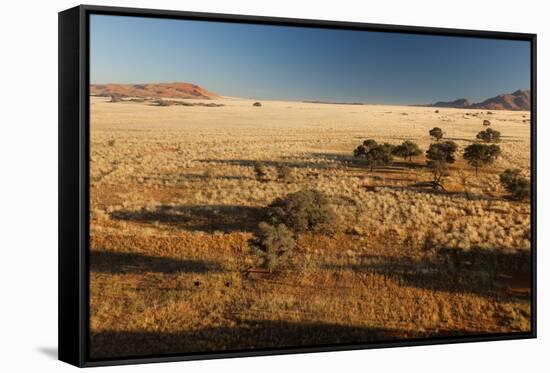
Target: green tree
272	245
374	154
480	155
407	149
440	155
436	133
364	148
489	135
360	151
440	170
304	211
442	151
369	144
518	186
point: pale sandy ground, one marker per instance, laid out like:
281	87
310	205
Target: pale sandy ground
172	147
305	127
174	200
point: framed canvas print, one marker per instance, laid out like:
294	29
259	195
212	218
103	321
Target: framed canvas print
239	186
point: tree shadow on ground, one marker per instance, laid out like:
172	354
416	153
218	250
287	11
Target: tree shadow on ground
354	162
426	187
459	139
481	271
301	164
203	177
253	334
206	218
136	263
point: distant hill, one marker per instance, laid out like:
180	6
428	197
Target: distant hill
157	90
519	100
460	103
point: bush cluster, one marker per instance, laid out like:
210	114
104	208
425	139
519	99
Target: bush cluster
272	245
518	186
303	211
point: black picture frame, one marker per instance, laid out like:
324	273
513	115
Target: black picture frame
74	180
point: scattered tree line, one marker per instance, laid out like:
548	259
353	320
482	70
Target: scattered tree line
441	154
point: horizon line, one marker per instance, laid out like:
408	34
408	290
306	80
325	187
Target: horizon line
317	100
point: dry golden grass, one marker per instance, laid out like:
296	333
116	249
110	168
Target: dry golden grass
174	200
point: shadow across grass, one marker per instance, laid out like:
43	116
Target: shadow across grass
459	139
247	335
206	218
135	263
293	163
202	177
350	161
426	187
481	271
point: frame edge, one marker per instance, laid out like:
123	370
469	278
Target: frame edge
73	123
69	247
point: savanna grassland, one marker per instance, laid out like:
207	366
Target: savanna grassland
175	200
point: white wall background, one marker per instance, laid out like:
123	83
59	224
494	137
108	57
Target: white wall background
28	184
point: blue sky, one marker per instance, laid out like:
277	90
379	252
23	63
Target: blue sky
273	62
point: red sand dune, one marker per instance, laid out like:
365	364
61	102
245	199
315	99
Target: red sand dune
157	90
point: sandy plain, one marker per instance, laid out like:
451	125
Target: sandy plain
174	201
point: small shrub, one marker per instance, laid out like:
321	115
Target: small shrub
111	142
486	122
161	102
116	98
518	186
437	111
436	133
272	245
208	174
489	135
257	104
260	170
284	173
303	211
137	99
